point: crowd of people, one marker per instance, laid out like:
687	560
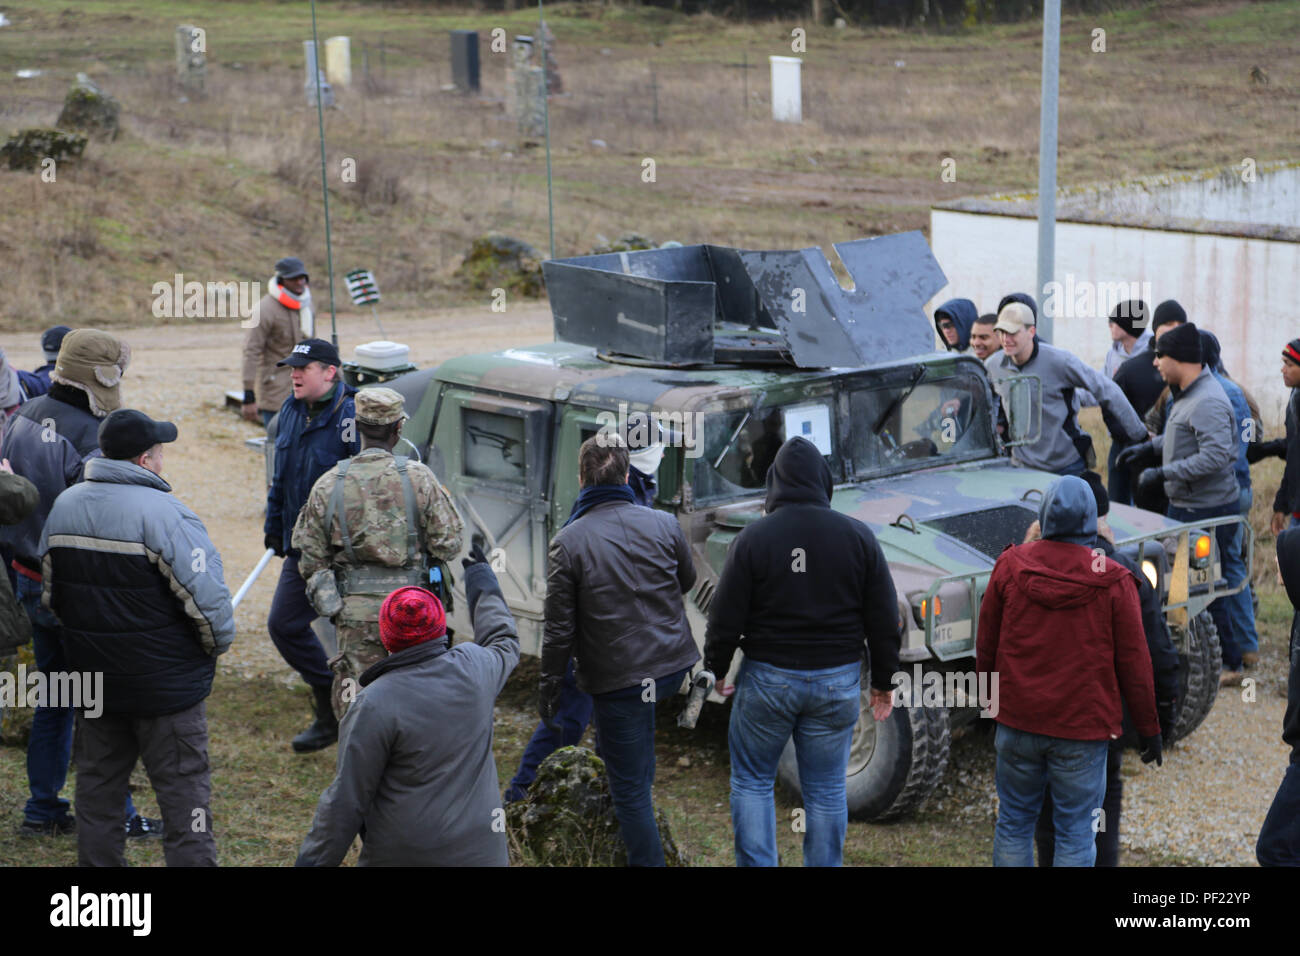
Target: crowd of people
109	573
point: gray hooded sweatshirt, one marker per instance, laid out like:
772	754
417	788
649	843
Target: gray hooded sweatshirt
415	765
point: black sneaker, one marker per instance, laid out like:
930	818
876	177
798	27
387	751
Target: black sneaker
59	827
143	828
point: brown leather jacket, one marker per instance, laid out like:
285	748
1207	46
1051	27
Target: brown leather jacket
614	590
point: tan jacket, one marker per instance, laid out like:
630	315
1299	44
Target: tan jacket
271	339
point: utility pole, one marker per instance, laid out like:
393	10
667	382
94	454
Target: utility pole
1047	160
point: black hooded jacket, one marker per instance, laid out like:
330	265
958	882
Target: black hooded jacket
806	586
1288	560
1138	379
963	314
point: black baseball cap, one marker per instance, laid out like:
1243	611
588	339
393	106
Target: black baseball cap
311	350
52	339
126	433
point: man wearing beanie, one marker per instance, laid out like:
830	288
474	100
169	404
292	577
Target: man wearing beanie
1137	377
47	441
1061	633
1286	503
371	524
1062	447
416	775
1197	451
1129	336
137	586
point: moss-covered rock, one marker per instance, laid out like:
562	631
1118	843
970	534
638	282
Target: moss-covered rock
86	108
16	722
627	242
568	817
501	262
29	147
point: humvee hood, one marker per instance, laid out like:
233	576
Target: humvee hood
1059	575
799	476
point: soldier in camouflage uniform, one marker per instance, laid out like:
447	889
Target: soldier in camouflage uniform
378	532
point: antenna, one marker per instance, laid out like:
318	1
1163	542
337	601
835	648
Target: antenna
320	124
546	119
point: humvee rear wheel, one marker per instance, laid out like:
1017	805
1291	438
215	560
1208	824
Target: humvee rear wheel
1199	664
893	766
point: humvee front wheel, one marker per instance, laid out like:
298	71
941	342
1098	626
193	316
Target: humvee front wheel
1199	664
894	765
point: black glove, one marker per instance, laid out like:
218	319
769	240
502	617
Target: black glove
1257	451
1167	711
1152	749
476	556
1151	481
548	701
276	543
1137	456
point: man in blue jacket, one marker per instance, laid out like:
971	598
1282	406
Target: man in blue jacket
137	585
317	428
953	321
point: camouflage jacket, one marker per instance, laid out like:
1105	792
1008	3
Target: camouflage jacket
375	509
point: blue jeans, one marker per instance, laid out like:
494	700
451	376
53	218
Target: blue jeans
626	726
1028	764
1247	636
50	745
573	712
1230	613
819	709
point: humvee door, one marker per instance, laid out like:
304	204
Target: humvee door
492	453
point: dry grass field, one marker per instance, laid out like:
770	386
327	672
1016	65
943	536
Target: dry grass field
219	187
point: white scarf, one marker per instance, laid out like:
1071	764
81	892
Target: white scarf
300	303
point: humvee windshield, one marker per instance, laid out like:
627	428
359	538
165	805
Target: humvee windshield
909	424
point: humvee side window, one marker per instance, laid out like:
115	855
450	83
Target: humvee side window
739	446
493	446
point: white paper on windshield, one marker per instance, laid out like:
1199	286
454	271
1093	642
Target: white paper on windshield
812	422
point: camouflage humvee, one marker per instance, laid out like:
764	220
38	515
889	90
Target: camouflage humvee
709	341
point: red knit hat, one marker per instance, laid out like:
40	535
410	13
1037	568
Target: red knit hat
410	616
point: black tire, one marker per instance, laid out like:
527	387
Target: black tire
1199	664
908	754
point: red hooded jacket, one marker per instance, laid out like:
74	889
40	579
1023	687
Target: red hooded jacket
1061	626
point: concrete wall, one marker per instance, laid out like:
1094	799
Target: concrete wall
1272	198
1247	291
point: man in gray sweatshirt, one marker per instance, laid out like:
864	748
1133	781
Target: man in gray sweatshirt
1062	448
1197	451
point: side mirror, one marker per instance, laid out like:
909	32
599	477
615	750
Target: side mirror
1022	397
